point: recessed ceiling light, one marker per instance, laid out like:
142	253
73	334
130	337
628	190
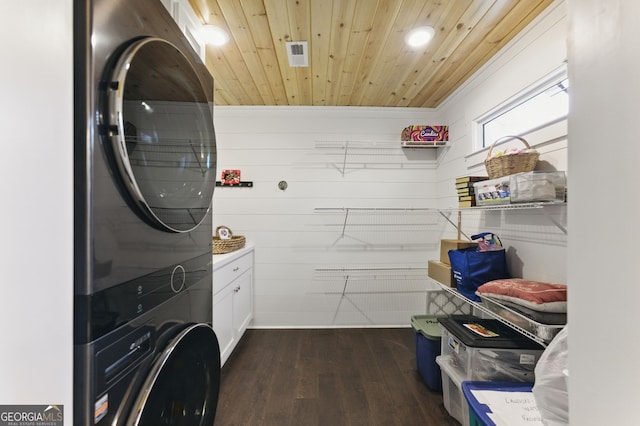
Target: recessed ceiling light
420	36
214	35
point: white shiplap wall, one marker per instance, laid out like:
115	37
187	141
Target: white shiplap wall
294	240
295	236
536	245
603	309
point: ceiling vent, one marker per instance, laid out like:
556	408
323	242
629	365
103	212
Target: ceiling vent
297	51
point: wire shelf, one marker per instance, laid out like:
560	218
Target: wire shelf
485	310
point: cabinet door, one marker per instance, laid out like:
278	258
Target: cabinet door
223	321
226	274
242	302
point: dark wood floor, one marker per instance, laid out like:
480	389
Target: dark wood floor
327	377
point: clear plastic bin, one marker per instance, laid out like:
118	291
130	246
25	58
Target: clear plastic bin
508	356
452	397
538	186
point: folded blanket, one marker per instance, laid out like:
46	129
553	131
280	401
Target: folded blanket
536	295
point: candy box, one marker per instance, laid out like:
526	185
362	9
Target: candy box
427	135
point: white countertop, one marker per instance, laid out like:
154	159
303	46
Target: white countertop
222	259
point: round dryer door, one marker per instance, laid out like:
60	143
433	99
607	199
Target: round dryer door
182	387
160	125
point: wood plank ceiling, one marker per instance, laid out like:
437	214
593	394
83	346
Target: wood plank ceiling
357	53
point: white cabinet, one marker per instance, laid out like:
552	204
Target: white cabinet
183	14
232	297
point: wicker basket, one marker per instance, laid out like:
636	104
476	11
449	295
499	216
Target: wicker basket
510	163
221	246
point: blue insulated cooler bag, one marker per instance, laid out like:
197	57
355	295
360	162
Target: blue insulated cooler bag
472	268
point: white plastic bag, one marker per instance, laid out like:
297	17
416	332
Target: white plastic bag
551	374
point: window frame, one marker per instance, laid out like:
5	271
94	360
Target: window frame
520	98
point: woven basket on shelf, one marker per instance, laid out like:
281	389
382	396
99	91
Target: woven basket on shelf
509	164
222	246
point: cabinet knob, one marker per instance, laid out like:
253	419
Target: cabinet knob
236	269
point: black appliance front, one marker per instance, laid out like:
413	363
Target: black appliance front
145	164
145	145
158	367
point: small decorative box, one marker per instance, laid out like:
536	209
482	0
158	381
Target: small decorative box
230	177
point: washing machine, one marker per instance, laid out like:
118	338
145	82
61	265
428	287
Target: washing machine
144	175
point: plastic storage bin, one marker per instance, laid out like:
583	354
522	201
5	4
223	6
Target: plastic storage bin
479	413
538	186
452	396
502	354
492	192
428	333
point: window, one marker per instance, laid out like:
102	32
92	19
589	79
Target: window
544	105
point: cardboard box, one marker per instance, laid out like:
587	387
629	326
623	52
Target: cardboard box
446	245
441	272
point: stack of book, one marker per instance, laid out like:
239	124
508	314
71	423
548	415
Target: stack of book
464	186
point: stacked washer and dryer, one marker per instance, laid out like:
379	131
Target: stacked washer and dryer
145	165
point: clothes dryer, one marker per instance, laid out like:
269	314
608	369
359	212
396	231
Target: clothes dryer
144	176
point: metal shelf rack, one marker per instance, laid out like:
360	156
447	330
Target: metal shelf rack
485	310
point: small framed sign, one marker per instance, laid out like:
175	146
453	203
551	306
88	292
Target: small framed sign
230	177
